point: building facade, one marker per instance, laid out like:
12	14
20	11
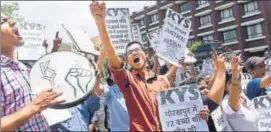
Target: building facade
243	26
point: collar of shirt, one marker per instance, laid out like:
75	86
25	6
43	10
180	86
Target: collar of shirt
8	62
151	76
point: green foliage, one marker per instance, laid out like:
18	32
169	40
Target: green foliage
194	46
11	10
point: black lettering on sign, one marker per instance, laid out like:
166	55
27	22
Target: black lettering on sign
246	76
31	26
180	92
112	12
177	18
262	102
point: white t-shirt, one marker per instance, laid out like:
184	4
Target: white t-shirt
242	120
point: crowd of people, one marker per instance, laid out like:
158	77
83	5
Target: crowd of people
124	96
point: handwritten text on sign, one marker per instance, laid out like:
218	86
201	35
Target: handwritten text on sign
179	109
263	106
119	28
136	33
174	37
33	35
220	120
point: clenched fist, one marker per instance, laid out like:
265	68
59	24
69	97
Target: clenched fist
98	11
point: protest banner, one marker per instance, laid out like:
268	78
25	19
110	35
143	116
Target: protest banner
263	106
80	40
136	33
33	36
174	37
245	78
179	109
119	27
207	67
220	120
182	76
154	38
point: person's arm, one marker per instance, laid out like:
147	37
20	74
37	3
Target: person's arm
57	43
265	81
98	11
42	101
217	90
171	73
155	65
234	88
192	70
101	59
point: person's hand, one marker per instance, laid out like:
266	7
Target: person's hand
45	44
235	67
204	113
57	42
46	98
219	61
98	11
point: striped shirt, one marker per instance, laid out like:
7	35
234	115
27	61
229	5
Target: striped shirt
16	93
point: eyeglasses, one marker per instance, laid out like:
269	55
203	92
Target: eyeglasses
129	52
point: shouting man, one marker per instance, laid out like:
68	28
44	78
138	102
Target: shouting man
139	85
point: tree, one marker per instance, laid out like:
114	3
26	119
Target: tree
11	10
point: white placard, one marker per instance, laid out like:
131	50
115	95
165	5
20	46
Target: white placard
263	106
154	37
75	77
245	78
179	109
136	33
33	36
207	67
54	116
81	40
220	120
119	27
182	76
173	41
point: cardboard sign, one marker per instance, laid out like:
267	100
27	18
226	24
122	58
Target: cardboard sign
154	38
182	76
220	120
81	40
136	33
263	106
33	36
207	67
179	109
174	37
119	27
245	78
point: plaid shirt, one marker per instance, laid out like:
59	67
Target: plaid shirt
16	93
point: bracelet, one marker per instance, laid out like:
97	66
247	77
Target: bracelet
236	79
236	85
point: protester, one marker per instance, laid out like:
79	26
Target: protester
139	86
20	108
236	111
82	113
257	68
114	100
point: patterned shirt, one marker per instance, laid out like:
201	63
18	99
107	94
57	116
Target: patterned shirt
16	93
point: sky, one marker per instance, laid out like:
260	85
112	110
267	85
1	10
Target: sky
76	13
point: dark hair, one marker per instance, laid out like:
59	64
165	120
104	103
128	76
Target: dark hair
132	43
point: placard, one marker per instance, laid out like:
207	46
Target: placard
263	105
245	78
220	120
33	36
173	41
136	33
119	27
81	40
154	38
182	76
179	109
207	67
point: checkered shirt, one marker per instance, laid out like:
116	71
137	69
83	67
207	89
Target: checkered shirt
16	93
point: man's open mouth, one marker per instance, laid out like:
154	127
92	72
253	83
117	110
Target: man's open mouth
136	60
